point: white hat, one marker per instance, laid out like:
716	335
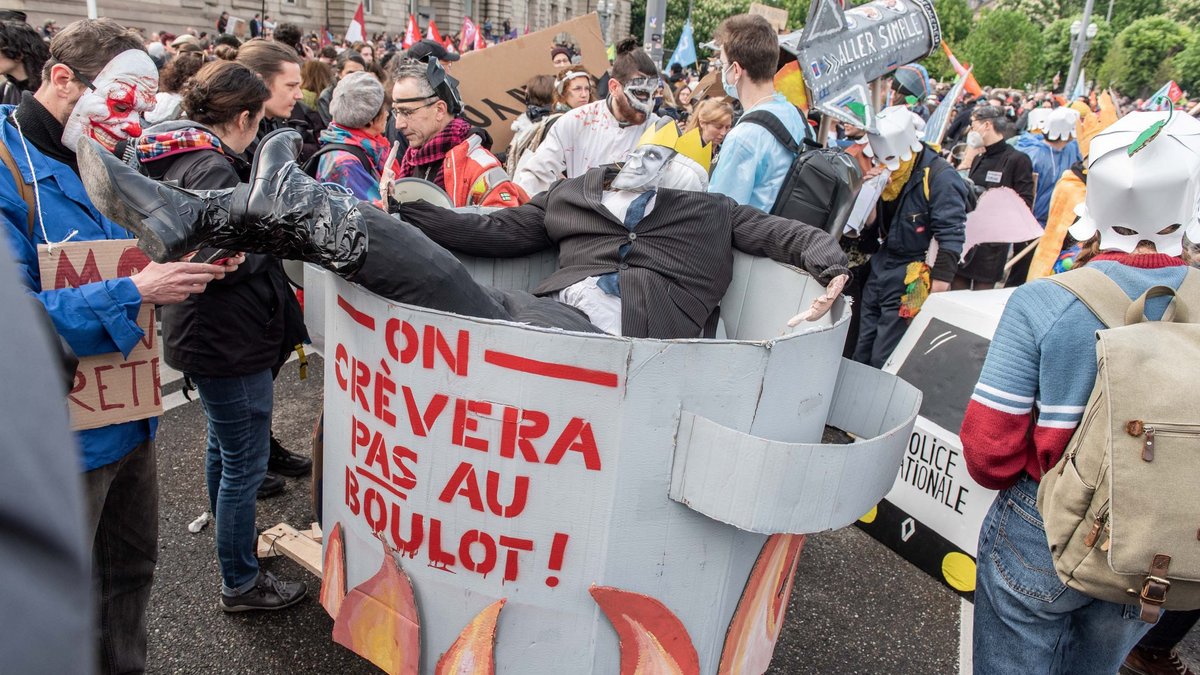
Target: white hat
1060	124
1037	119
1146	193
897	138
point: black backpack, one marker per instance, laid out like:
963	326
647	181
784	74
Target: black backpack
310	167
822	183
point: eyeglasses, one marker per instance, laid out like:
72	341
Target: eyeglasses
405	113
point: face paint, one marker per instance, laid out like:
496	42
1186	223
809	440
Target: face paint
644	168
640	93
110	110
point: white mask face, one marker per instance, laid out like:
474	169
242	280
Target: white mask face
974	139
644	168
1152	196
897	139
110	110
640	93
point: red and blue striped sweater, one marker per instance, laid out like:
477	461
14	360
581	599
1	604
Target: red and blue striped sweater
1041	368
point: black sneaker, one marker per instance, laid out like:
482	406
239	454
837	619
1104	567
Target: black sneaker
287	463
268	593
272	485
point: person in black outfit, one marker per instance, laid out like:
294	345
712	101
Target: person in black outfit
22	54
993	164
961	123
230	340
279	68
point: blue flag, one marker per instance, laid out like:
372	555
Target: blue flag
685	51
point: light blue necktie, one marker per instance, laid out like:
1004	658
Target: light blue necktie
609	283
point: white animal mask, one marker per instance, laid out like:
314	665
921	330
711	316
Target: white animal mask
898	137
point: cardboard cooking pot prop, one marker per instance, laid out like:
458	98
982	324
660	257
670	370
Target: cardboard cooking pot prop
841	51
504	498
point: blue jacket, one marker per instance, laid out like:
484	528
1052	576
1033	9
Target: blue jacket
919	220
95	318
753	164
1049	164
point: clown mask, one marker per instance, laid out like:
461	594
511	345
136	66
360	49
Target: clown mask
110	110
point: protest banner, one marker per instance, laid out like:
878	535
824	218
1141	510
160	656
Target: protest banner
488	485
491	80
934	512
777	17
842	51
109	388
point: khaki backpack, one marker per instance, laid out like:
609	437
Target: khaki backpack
1122	506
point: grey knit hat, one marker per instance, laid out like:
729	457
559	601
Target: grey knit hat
357	99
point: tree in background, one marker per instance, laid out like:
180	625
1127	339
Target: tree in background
1187	65
1186	12
1005	48
955	18
1044	12
1126	12
1141	58
1057	51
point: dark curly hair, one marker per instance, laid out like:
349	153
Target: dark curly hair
178	70
631	59
20	42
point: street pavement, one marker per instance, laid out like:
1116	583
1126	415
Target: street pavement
857	608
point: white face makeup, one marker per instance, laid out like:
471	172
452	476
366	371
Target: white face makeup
640	93
110	110
644	168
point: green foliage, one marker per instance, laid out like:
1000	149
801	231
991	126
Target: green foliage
1005	48
1126	12
1057	52
1045	12
1186	12
1142	56
955	17
1187	64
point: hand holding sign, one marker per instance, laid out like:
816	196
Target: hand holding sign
821	304
389	174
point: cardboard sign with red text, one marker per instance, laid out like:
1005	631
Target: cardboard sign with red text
547	502
491	80
108	388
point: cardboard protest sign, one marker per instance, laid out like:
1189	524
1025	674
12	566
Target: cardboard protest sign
777	17
491	80
933	514
842	51
108	387
491	485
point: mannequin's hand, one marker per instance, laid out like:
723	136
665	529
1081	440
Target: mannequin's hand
820	306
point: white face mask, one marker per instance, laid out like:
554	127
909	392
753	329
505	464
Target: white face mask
644	169
974	139
110	110
640	93
897	139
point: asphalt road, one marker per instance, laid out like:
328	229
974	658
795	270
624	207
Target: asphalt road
856	607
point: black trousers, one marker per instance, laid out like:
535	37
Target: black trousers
1170	630
405	265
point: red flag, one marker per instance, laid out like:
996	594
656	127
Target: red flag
357	32
413	35
468	34
431	33
972	85
449	45
479	43
325	39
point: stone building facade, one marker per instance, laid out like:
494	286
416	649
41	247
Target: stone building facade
381	15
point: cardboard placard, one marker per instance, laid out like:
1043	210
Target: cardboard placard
777	17
109	388
491	79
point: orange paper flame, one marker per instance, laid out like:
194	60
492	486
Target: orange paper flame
750	640
472	653
378	620
333	572
653	640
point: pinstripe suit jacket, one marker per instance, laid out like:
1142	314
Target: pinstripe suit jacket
678	266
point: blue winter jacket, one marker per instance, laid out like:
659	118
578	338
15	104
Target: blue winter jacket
1049	164
95	318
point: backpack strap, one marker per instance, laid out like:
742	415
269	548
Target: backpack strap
774	125
24	189
364	159
1103	296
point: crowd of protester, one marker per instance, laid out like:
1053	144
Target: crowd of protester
371	112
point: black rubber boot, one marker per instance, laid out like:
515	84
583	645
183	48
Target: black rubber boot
281	211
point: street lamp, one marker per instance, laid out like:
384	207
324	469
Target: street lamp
1080	37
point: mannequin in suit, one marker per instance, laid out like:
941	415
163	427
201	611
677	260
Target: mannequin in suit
643	250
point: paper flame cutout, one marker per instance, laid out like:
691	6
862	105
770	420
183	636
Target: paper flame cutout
750	640
333	572
473	653
378	620
653	640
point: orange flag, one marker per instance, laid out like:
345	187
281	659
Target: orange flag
972	85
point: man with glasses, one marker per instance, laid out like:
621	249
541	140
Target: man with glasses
992	163
442	147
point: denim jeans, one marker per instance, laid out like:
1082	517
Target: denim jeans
1026	620
239	445
122	507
